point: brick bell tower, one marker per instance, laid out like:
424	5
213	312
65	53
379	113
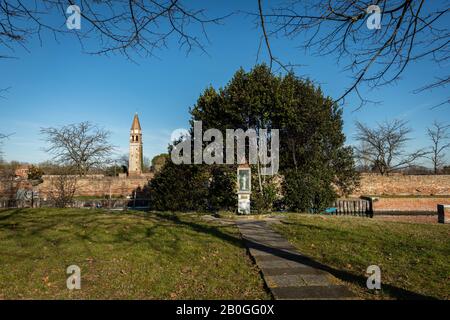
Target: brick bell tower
135	163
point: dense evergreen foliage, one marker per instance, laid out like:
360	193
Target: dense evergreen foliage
314	162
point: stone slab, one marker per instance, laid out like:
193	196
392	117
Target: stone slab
271	251
330	292
287	273
276	263
316	279
290	280
301	270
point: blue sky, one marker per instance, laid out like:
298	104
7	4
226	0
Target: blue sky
57	84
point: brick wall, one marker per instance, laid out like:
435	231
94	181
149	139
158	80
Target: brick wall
371	184
397	184
94	185
409	204
99	185
9	187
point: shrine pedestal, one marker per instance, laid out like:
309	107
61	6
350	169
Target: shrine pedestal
244	178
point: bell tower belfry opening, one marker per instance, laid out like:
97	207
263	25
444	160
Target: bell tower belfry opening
135	163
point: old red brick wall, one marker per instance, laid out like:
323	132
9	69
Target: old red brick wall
371	184
9	187
99	185
409	204
397	184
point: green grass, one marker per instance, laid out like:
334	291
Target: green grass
122	256
414	258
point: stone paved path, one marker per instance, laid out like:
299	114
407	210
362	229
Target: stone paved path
288	274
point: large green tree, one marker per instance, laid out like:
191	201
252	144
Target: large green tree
313	158
314	163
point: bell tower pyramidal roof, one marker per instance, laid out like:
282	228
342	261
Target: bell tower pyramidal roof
136	124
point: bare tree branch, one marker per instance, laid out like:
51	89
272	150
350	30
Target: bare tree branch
82	145
383	147
265	37
438	83
3	137
411	30
128	27
440	138
3	91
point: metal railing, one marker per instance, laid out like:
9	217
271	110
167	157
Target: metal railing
359	207
115	204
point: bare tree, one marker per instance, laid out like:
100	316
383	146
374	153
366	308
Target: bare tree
384	146
62	187
411	30
83	146
123	160
439	136
2	138
364	164
117	165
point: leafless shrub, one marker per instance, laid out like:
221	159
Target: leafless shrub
62	188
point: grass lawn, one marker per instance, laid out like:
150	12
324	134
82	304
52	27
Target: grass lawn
414	258
122	255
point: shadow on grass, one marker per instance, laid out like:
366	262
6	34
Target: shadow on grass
11	213
399	293
89	229
215	231
211	230
360	281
